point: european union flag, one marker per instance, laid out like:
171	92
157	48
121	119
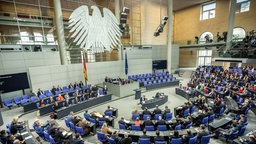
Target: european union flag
126	63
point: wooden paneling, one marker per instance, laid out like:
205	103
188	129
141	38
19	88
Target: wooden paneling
187	58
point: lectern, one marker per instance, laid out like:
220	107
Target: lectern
137	93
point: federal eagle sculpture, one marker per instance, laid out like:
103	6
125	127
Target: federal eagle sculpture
96	32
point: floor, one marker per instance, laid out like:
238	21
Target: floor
125	107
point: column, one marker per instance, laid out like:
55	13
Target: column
117	14
60	31
232	13
169	38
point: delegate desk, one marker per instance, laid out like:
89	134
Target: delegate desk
27	135
122	90
96	115
64	111
230	103
183	93
155	101
237	141
135	135
219	123
161	85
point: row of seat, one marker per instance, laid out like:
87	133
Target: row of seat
148	75
145	83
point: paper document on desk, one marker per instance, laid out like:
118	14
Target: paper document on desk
126	121
29	137
24	133
64	133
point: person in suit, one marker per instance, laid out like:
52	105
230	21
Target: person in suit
85	125
116	138
187	121
39	92
166	110
86	114
148	122
175	135
126	139
226	132
157	110
16	126
78	139
70	86
3	136
121	121
109	109
146	111
105	90
142	99
160	121
158	94
81	84
144	134
76	119
59	137
59	88
185	138
53	90
158	137
251	140
202	132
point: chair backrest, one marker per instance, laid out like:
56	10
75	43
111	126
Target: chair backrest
205	120
46	136
80	130
109	113
168	116
241	132
33	98
211	118
188	125
233	135
92	120
160	142
66	122
23	101
72	126
150	128
101	136
145	116
205	139
192	140
186	112
134	116
16	99
7	101
111	141
25	97
176	141
157	116
222	111
121	126
192	109
144	140
134	127
162	127
101	123
178	127
52	140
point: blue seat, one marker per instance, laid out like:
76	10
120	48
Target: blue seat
109	113
80	130
241	131
42	96
160	142
186	112
17	100
232	136
162	127
157	116
101	137
145	116
188	125
33	98
192	109
92	120
52	140
168	116
211	118
178	127
145	83
150	128
66	122
111	141
192	140
136	128
101	92
8	103
72	126
134	116
144	141
205	121
101	123
121	126
57	92
176	141
221	112
25	97
46	136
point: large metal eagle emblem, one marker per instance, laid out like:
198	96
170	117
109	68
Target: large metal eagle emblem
94	32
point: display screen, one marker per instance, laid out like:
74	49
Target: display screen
13	82
159	64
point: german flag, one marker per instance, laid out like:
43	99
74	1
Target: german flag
85	70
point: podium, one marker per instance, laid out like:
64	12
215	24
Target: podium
137	93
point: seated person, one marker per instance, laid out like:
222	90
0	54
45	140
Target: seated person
116	138
126	139
59	88
109	109
166	110
148	122
157	110
146	111
160	121
142	99
3	136
66	96
104	129
158	137
251	140
144	134
105	90
53	90
202	132
137	122
76	119
86	114
85	125
175	135
70	117
51	131
78	139
158	94
59	136
103	118
135	111
121	121
39	129
51	100
41	103
226	132
39	92
16	126
187	121
185	138
67	103
60	98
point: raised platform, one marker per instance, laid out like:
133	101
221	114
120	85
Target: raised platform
122	90
155	101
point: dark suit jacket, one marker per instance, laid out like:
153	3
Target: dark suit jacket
126	141
148	123
160	122
201	133
157	111
144	136
146	112
40	92
186	139
158	138
167	111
